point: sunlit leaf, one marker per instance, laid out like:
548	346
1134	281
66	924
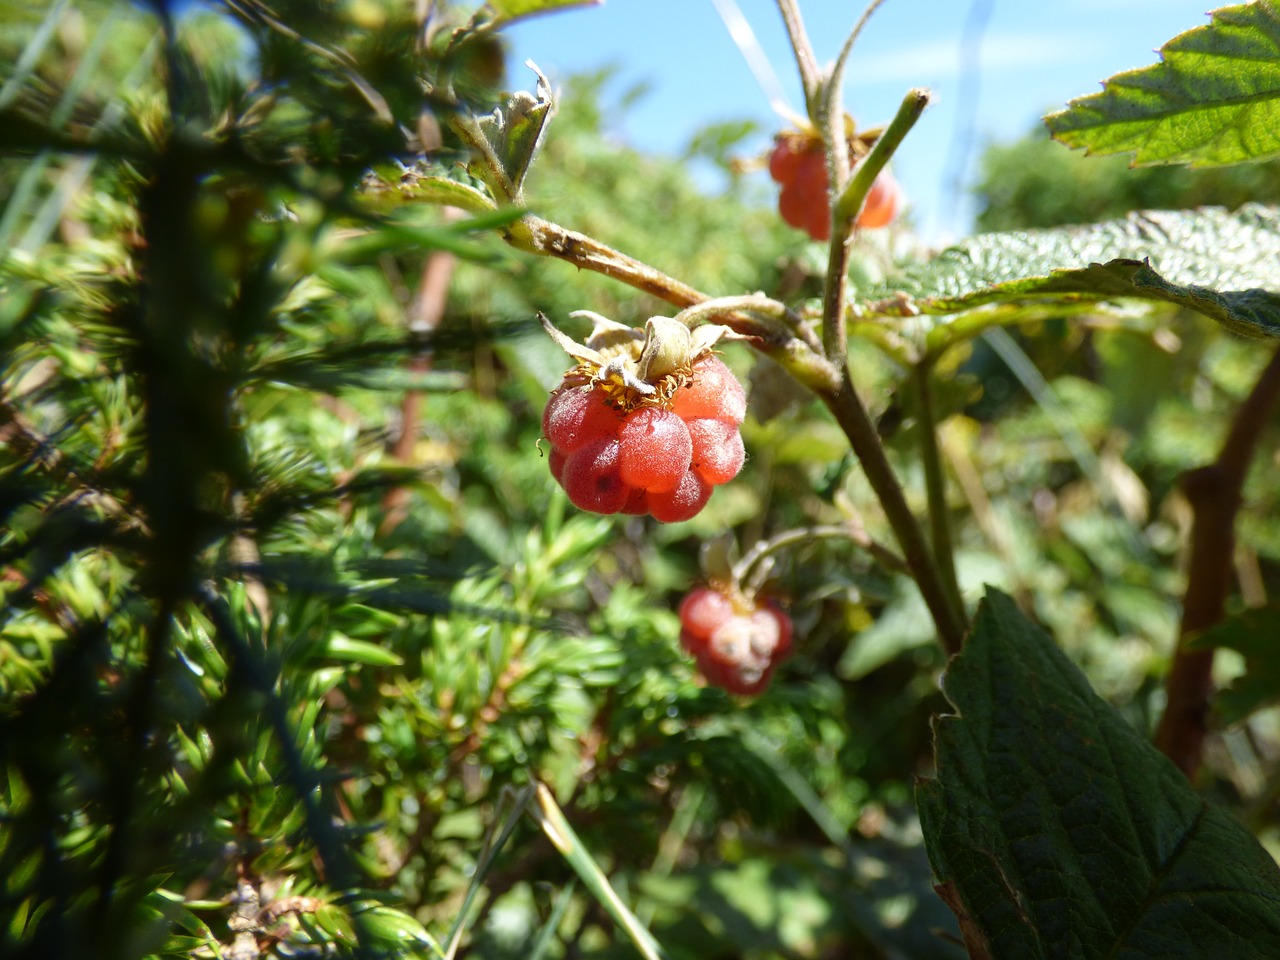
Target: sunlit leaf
1213	98
507	10
1224	265
1055	829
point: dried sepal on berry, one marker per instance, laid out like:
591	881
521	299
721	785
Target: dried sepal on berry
636	368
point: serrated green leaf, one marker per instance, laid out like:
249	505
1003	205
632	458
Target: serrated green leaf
1222	264
1252	633
1056	830
1214	97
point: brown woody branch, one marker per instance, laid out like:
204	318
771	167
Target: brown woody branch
1215	495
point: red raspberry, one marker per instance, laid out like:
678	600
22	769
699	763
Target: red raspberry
882	202
717	450
683	503
798	164
704	609
783	160
657	459
556	461
735	648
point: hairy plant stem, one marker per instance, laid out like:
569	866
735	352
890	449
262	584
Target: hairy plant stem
806	62
849	200
853	418
747	571
936	486
1214	492
778	340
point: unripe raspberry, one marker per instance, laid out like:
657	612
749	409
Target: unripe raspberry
737	644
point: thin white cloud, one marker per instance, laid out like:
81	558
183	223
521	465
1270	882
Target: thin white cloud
940	59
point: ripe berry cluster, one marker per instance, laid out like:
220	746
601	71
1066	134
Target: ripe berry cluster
737	644
799	165
660	458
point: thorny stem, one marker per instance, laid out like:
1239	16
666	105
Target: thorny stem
936	485
1214	493
845	210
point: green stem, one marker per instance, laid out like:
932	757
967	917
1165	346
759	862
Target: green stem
845	211
853	532
755	304
936	486
853	418
849	204
810	76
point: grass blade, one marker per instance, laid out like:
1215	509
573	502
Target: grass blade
562	836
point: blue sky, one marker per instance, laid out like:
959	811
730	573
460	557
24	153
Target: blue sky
1031	57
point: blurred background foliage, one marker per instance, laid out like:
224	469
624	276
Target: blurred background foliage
292	610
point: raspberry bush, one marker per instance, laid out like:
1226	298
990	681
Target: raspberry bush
339	618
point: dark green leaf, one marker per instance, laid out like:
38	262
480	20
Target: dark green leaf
1252	633
1056	830
1224	265
1214	98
